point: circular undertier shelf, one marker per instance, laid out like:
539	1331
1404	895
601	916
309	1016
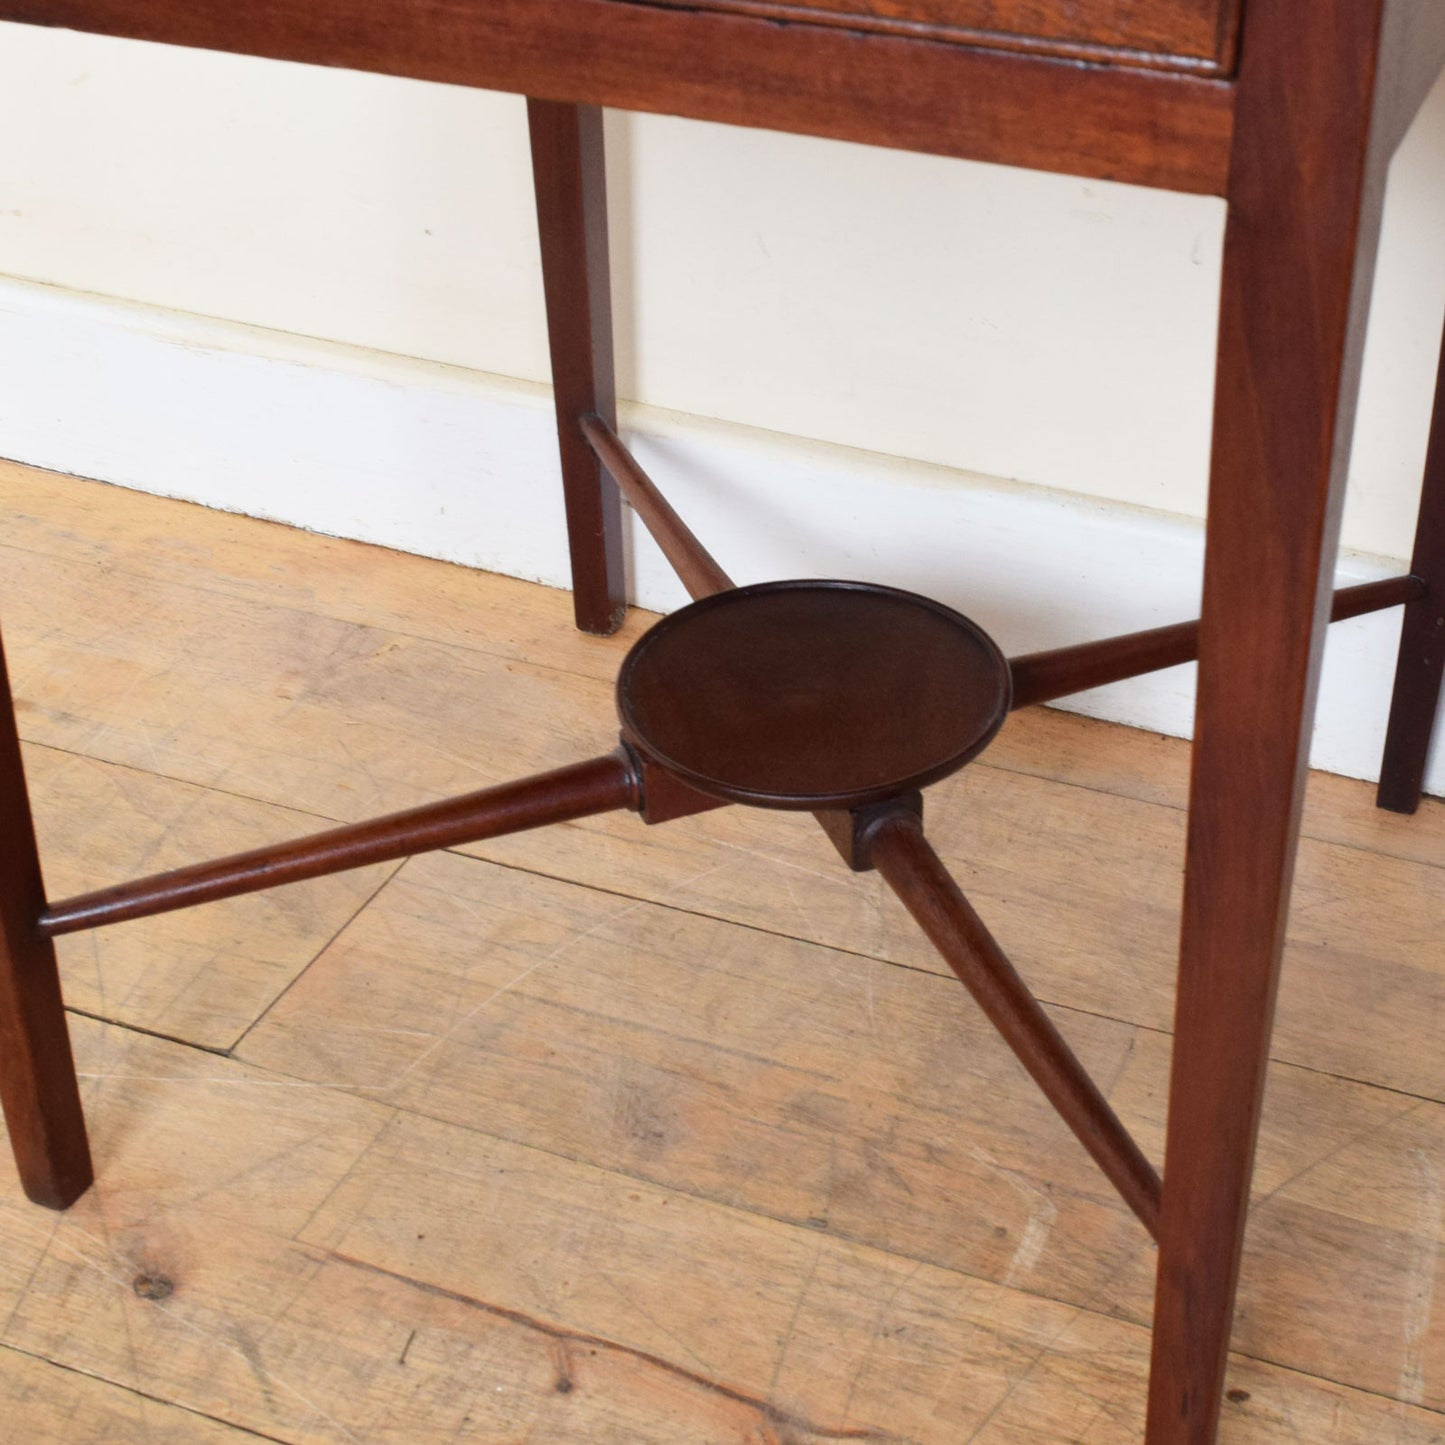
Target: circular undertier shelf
811	694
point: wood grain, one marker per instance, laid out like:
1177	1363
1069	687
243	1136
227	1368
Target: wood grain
295	707
43	1402
1184	34
200	976
326	725
1152	768
307	1341
840	1093
1082	889
135	537
1307	175
1308	128
735	1126
140	536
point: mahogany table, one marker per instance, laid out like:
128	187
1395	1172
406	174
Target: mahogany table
1290	109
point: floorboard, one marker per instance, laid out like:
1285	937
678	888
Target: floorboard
618	1134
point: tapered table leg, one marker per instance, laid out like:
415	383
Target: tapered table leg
569	171
1421	664
1305	194
695	566
37	1075
580	790
900	852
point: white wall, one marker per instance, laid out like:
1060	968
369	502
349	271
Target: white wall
1032	327
1006	324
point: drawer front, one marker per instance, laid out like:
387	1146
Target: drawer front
1197	35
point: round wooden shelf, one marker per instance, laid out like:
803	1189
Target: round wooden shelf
809	694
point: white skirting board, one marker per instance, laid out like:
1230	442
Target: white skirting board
461	465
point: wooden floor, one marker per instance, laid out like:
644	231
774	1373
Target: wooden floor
615	1134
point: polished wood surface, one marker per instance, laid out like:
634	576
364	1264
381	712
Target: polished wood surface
1306	191
1186	34
897	847
696	567
732	1066
37	1075
1061	671
562	795
811	694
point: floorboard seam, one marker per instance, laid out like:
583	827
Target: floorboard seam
146	1395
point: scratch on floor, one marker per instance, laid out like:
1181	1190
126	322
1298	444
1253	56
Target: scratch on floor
880	1321
1420	1286
802	910
707	1368
1043	1215
1035	1360
54	1221
777	862
771	1414
1032	1242
883	927
1374	1127
441	1040
250	1351
122	1271
568	943
192	1080
788	1334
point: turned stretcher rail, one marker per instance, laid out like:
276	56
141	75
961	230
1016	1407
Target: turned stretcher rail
692	562
910	867
599	785
1037	676
1062	671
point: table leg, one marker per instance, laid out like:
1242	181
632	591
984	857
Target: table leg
1416	697
569	171
37	1075
1305	192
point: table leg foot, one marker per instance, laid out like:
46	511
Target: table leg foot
37	1074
